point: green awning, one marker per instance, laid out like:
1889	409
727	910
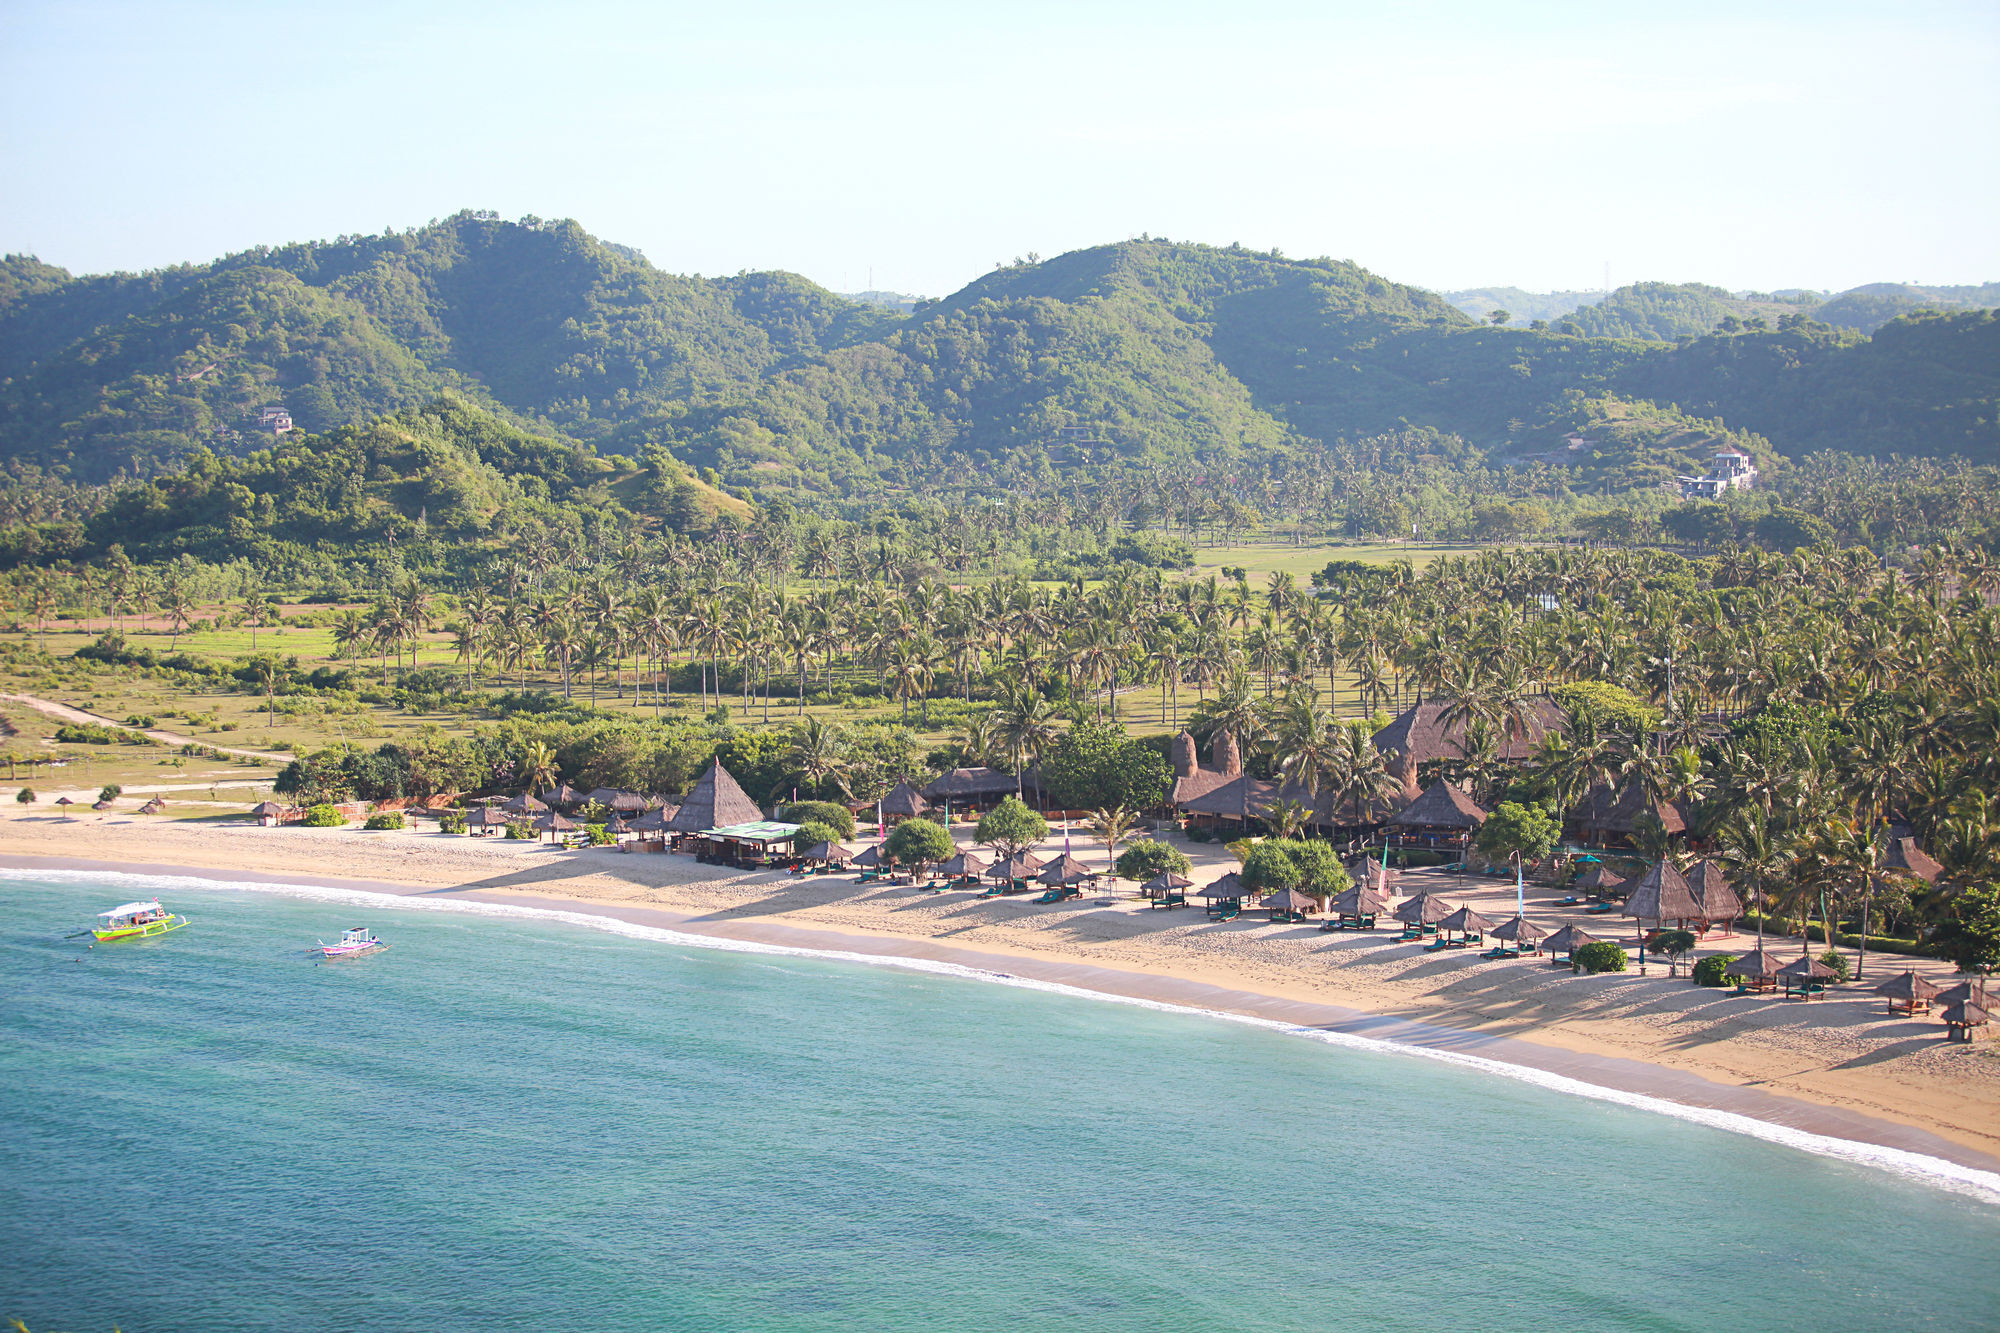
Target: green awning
763	830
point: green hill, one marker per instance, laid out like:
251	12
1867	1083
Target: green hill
1665	311
1870	307
1522	306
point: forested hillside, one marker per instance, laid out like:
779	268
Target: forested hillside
1152	353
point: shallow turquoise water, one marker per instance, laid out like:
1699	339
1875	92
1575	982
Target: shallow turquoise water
525	1124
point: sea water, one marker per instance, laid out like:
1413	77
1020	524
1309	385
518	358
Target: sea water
518	1122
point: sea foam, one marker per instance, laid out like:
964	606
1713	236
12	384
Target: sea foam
1933	1171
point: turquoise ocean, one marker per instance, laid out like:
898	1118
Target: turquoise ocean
516	1121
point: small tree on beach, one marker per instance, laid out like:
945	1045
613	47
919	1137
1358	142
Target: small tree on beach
1143	860
110	791
1112	824
918	842
1011	827
26	796
1676	945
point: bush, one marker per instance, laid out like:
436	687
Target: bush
451	822
598	835
836	817
1269	866
1836	960
1011	826
26	796
110	791
1599	956
812	833
387	820
1709	971
324	816
919	842
1143	860
522	830
1200	835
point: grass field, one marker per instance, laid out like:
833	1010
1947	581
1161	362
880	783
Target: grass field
1303	562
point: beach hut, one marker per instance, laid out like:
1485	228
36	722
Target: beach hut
754	844
827	854
1755	971
1442	813
1961	1017
1600	881
1468	925
266	813
1719	902
964	866
1905	991
1225	897
1289	905
1066	869
563	797
968	791
487	821
715	801
1661	895
524	804
1564	943
556	823
1166	890
654	820
1373	875
870	861
1805	977
1357	909
156	806
1606	813
1521	933
1014	871
1905	856
1420	916
903	802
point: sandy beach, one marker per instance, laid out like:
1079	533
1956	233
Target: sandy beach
1840	1066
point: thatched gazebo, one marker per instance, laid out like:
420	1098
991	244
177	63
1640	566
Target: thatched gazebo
1166	889
965	865
1066	869
1564	943
156	806
266	813
553	821
488	818
1442	810
869	858
1357	909
1464	922
1225	896
1755	971
715	801
525	804
563	797
1719	902
903	802
1661	895
1015	869
1962	1017
827	853
1289	905
1600	881
1522	933
1804	977
1907	990
1424	910
970	789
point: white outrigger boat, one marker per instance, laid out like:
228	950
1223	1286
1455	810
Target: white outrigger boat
136	921
351	942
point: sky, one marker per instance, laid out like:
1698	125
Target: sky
1750	145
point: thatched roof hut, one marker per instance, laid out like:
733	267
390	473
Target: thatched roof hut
970	784
1568	940
1711	889
1973	990
1164	882
904	802
1805	975
64	800
1662	894
1021	865
263	809
1066	869
489	818
1604	810
554	821
623	802
524	804
563	796
965	865
1908	990
156	806
1426	909
655	820
1361	901
1518	929
1289	902
715	801
1758	968
1442	806
831	853
1960	1018
1601	880
870	857
1465	921
1230	888
1375	876
1420	734
1906	856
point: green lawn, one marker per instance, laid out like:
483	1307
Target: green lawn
1303	562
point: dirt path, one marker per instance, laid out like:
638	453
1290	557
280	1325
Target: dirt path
69	714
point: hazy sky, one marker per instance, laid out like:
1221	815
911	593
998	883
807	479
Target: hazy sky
1446	144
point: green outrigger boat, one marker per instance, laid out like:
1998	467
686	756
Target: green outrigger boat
136	921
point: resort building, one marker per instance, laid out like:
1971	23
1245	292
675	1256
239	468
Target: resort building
1730	470
1431	731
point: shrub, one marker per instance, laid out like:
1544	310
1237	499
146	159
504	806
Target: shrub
597	835
26	796
521	830
1143	860
812	833
110	791
451	821
919	842
837	817
1599	956
1836	960
324	816
1200	835
1010	827
385	821
1269	866
1709	971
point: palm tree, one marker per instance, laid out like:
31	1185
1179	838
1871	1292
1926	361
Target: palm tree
817	753
537	767
1112	824
1025	723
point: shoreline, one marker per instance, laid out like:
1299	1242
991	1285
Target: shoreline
1538	1053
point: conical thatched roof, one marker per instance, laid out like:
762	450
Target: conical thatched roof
1662	894
1228	756
1181	755
1064	869
654	821
64	800
1906	856
156	806
1360	901
1606	810
1907	986
1290	900
1568	940
1440	806
1965	1014
1806	967
524	804
1518	928
962	865
1757	963
563	795
1426	909
1974	990
261	808
1165	882
904	802
1711	889
831	852
1600	878
551	821
488	818
1375	876
869	858
1021	865
1465	919
1229	886
716	801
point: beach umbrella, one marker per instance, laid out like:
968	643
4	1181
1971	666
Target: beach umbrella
830	852
1568	940
1360	901
1518	929
1164	882
1426	909
1909	989
1066	869
965	865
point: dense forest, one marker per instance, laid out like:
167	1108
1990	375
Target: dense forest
1147	354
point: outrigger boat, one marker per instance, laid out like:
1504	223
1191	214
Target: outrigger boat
358	940
136	921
